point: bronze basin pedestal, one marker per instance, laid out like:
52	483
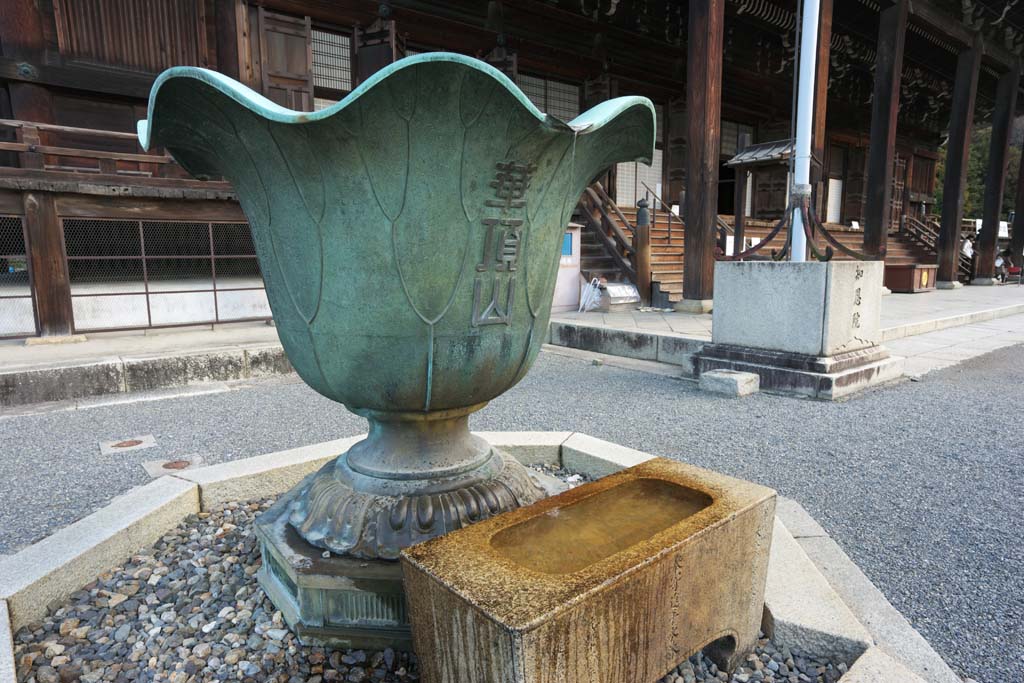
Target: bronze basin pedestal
409	238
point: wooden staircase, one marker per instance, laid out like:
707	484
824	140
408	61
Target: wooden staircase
667	252
607	245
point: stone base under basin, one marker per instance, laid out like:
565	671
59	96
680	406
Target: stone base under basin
822	377
333	600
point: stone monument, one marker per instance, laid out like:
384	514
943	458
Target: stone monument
810	328
409	238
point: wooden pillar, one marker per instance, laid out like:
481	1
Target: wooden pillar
821	98
1017	229
995	178
231	24
958	150
892	31
642	247
740	199
49	267
704	107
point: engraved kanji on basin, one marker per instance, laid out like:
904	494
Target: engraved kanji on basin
409	238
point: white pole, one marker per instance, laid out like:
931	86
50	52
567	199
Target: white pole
804	121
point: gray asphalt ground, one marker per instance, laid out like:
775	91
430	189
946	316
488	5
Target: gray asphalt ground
919	482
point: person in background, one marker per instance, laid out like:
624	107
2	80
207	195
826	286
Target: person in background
1001	265
967	249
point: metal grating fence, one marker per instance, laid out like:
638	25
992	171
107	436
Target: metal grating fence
129	274
17	309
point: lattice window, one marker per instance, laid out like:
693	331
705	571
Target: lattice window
17	317
332	67
731	132
552	97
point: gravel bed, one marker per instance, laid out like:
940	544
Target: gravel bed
189	610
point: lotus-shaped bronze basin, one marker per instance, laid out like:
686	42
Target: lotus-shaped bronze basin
409	238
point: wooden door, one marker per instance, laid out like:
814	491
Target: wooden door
285	59
376	47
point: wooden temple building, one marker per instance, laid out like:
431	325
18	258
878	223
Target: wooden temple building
96	234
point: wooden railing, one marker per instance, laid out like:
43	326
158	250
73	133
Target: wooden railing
722	228
34	154
597	210
659	206
927	233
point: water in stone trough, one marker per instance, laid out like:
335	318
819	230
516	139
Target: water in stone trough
189	610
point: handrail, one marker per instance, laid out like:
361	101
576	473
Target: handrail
13	123
612	226
607	201
661	202
928	234
31	146
720	224
616	244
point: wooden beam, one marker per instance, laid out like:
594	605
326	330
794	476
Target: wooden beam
961	119
93	79
995	178
927	15
704	108
50	281
892	31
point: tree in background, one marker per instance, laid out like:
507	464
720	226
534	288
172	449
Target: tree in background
977	168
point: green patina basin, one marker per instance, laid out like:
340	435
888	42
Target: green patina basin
409	238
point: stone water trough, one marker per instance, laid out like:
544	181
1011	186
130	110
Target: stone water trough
605	582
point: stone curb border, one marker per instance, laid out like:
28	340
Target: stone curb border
118	375
803	609
676	349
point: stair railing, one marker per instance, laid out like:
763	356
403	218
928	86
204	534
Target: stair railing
660	205
594	208
927	233
722	228
611	207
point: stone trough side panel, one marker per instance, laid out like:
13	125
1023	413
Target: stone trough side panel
48	572
802	611
529	448
874	666
7	672
262	476
598	458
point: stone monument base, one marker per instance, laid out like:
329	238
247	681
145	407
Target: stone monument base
823	377
810	329
948	284
984	281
